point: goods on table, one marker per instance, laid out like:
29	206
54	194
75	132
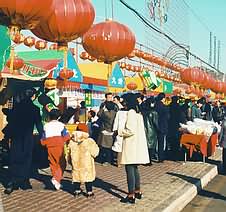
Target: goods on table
201	127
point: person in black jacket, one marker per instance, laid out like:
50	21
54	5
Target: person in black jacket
218	113
175	119
25	115
163	117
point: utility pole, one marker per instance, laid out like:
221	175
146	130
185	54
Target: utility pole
210	48
218	54
214	51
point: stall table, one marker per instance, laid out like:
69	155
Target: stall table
199	143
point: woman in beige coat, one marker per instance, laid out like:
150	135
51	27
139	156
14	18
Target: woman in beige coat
82	151
134	148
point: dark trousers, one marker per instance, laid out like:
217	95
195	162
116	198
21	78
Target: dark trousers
106	155
21	157
150	152
161	153
224	159
88	185
133	178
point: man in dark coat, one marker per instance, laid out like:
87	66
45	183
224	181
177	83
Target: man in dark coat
163	117
25	116
175	119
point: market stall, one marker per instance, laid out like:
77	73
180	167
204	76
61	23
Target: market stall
199	136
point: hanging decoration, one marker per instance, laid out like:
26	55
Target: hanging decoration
23	14
109	41
29	41
132	86
40	44
69	20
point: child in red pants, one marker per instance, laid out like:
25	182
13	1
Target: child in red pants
55	135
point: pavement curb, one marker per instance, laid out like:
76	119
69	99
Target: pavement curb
189	191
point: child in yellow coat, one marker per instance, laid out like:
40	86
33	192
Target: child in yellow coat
82	151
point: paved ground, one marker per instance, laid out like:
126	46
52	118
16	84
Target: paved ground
162	185
212	198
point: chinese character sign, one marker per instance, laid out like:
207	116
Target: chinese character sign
116	79
88	98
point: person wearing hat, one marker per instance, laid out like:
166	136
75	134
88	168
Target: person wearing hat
82	151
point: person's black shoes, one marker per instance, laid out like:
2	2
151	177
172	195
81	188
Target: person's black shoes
25	185
78	193
138	195
129	200
11	186
90	195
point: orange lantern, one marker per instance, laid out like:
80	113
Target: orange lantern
50	83
109	41
122	65
128	67
40	44
91	58
29	41
53	46
84	55
190	75
66	74
23	14
18	63
137	68
18	38
132	86
69	20
132	54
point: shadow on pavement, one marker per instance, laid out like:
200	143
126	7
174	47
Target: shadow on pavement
212	195
108	187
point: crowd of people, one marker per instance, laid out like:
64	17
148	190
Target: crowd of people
130	130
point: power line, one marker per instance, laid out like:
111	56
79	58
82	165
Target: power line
197	17
150	25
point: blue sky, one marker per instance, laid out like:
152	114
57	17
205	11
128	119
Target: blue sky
212	17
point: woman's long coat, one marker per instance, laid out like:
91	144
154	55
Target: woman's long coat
134	147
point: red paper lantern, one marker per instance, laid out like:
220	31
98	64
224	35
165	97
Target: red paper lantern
218	87
69	20
132	54
132	86
29	41
190	75
23	14
84	55
91	58
188	91
18	38
122	65
53	46
40	44
109	41
209	82
66	74
18	63
128	67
